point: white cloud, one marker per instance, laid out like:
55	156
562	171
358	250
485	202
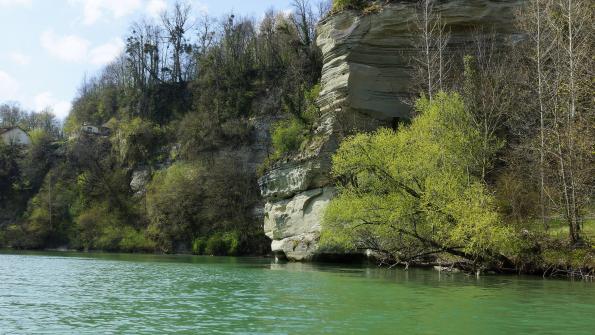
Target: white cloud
74	48
94	10
201	7
19	58
8	3
69	47
107	52
9	87
47	100
156	7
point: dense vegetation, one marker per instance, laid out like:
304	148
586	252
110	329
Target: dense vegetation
155	177
496	168
417	191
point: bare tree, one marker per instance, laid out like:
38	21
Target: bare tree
176	25
323	8
304	21
487	92
432	64
532	22
571	22
560	51
11	114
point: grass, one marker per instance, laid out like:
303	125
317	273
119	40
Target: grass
558	228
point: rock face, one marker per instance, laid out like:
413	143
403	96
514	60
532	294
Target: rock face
367	57
293	178
365	81
297	215
140	179
297	190
294	224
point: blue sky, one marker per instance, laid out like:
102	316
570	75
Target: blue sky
47	46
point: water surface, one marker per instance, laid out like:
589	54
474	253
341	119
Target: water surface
75	293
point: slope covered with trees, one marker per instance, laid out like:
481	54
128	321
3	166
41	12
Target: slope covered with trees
184	90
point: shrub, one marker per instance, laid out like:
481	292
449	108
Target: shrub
198	246
135	240
226	244
90	223
137	140
287	136
339	5
311	112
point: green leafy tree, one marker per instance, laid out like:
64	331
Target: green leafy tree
137	141
9	168
417	192
174	199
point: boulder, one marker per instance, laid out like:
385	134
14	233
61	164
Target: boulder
298	248
298	215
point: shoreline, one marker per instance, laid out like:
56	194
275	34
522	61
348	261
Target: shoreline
551	272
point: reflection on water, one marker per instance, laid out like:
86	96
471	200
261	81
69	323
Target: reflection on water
75	293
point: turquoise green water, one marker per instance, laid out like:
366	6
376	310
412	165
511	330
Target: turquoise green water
72	293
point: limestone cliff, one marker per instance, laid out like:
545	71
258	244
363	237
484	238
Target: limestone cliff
365	80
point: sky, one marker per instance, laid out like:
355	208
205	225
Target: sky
48	46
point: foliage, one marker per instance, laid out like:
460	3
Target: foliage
137	141
198	246
48	213
339	5
311	113
9	169
287	136
181	94
173	205
417	191
38	158
222	245
188	200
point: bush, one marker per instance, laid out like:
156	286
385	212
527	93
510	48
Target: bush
198	246
311	113
137	140
339	5
226	244
287	136
135	240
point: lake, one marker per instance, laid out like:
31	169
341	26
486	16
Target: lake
79	293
